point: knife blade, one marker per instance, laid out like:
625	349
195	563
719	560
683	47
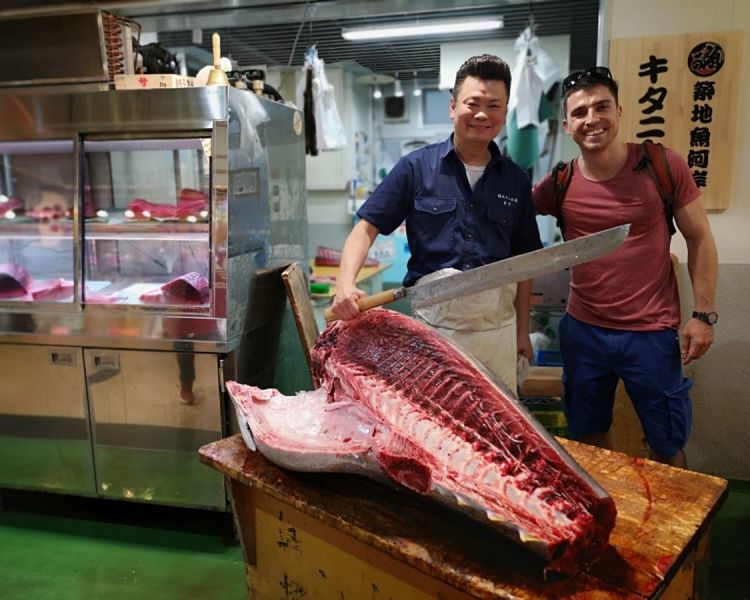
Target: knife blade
517	268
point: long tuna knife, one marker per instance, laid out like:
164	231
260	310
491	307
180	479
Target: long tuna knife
517	268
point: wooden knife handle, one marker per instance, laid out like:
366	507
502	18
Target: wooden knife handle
367	302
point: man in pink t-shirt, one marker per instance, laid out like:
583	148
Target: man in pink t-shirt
623	310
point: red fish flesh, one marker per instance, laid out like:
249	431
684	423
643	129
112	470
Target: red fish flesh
190	288
14	280
330	257
54	289
396	400
189	203
11	204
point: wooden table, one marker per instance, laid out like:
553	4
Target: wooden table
343	537
543	381
330	274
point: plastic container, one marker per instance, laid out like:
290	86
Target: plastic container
548	358
549	413
320	288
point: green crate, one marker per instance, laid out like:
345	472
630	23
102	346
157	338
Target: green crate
549	413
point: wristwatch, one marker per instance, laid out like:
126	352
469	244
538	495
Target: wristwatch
706	317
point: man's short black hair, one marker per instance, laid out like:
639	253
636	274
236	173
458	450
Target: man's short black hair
486	67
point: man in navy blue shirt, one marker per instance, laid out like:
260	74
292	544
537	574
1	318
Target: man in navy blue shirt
464	206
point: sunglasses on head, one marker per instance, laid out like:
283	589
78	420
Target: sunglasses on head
594	73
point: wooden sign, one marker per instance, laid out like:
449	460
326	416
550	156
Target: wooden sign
683	91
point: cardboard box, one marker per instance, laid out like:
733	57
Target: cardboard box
154	81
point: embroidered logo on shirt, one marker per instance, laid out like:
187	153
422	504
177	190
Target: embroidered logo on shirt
508	200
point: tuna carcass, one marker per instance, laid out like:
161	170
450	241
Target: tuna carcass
396	400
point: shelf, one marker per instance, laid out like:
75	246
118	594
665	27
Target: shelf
112	230
176	234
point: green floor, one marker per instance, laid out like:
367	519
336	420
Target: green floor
730	546
63	548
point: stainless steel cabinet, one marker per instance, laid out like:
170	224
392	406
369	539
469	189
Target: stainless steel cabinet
149	413
44	427
141	232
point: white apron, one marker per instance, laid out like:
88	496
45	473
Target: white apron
483	324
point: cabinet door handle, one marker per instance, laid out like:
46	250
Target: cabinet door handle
63	358
107	361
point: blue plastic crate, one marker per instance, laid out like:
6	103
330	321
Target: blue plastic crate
548	358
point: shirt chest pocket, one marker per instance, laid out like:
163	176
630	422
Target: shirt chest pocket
434	222
503	216
432	205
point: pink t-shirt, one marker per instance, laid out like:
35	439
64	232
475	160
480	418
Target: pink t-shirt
634	287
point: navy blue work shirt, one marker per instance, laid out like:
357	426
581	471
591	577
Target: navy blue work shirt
448	224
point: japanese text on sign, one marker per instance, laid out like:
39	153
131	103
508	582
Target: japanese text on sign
653	99
704	60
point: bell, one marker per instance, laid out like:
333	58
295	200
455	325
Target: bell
217	76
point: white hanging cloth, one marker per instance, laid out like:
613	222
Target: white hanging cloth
533	74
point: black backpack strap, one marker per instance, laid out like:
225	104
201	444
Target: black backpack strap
562	173
655	158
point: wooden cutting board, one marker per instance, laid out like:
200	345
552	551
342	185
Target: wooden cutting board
662	514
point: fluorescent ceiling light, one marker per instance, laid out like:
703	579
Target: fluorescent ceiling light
413	29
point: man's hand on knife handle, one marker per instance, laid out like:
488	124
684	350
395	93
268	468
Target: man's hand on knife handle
345	303
363	303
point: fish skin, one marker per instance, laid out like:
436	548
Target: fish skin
307	433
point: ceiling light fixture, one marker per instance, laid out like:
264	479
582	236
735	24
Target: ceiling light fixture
417	90
397	89
419	28
377	93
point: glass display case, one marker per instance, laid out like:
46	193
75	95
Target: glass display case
36	217
146	217
142	233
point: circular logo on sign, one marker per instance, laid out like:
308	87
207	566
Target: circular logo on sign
297	122
706	59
